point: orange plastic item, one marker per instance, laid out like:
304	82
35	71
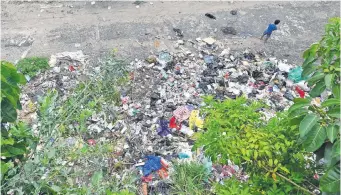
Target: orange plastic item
144	188
162	173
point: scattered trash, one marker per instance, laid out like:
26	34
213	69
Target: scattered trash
173	124
153	163
185	130
284	67
182	113
300	91
178	32
144	188
210	16
195	121
93	2
209	40
164	58
182	155
163	129
71	68
91	142
229	30
208	59
160	112
295	74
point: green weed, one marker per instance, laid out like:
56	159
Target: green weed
33	65
189	179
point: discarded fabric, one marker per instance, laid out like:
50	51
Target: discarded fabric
163	129
295	74
183	155
153	164
182	113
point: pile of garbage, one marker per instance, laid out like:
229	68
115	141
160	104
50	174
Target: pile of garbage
160	109
163	111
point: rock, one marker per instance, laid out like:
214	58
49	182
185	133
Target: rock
233	12
229	30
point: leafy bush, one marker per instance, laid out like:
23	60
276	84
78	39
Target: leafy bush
189	178
10	91
33	65
237	131
232	187
15	137
319	124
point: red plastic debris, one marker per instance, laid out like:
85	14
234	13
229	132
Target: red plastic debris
300	91
173	124
147	178
125	100
316	176
91	142
71	68
226	76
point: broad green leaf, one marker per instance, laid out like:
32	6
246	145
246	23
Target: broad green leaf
336	150
331	102
5	167
336	91
307	124
298	113
332	132
8	141
8	112
315	138
298	105
330	181
334	112
302	100
16	150
296	120
328	79
315	78
329	158
270	162
56	188
307	70
96	178
318	89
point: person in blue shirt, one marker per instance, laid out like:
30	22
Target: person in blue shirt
269	30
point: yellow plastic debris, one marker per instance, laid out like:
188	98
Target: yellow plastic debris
194	120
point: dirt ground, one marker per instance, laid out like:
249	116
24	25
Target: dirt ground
42	29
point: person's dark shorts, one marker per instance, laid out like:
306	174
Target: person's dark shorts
267	34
